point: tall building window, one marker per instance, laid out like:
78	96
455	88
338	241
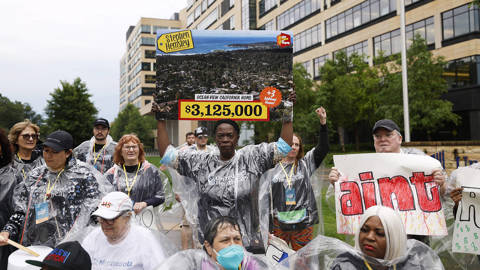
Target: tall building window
190	19
265	6
225	7
306	65
150	79
360	48
307	38
210	2
390	43
297	13
317	64
145	28
209	20
463	72
460	21
357	16
157	27
148	41
198	11
204	5
149	54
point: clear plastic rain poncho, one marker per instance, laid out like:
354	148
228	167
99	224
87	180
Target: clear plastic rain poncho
102	160
22	168
196	259
48	204
7	184
330	253
226	188
146	185
301	208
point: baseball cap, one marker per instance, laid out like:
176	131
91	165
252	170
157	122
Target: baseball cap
113	204
386	124
102	122
66	256
201	131
59	140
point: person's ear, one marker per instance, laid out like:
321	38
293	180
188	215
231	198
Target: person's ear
68	152
208	248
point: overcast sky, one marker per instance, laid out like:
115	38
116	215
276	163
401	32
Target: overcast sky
43	42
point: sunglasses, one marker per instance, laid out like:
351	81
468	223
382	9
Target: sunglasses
29	136
202	136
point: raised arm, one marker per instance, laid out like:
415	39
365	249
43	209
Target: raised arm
287	121
322	147
162	136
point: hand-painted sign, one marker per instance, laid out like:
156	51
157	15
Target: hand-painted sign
466	233
403	182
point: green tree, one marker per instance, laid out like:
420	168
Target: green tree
13	112
130	121
426	85
70	109
347	90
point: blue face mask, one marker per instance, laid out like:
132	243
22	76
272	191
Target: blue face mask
230	257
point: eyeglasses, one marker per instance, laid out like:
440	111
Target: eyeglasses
110	221
130	147
202	136
28	136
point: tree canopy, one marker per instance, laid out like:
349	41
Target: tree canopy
130	121
15	111
70	109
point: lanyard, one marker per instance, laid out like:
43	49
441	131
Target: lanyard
23	169
370	268
129	188
288	176
99	153
50	187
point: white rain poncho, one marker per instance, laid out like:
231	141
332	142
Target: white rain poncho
226	188
22	168
330	253
39	219
102	160
147	184
196	259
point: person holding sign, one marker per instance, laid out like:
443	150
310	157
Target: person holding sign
133	175
54	196
227	181
24	138
98	151
294	207
382	243
388	139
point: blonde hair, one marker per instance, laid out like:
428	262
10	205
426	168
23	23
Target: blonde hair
18	128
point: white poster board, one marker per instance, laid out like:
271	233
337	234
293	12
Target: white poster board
148	218
466	234
403	182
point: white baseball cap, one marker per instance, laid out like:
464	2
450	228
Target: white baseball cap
113	204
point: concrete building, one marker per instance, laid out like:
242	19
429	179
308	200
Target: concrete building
322	27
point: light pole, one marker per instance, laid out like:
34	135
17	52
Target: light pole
406	118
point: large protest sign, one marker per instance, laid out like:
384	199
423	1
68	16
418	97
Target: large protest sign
216	74
466	233
403	182
148	218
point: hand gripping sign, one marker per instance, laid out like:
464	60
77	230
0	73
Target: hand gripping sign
466	234
403	182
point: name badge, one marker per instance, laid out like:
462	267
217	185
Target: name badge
41	212
290	196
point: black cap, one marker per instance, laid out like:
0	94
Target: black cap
201	131
386	124
59	140
66	256
102	122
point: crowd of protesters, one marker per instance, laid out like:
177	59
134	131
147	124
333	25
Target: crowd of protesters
81	201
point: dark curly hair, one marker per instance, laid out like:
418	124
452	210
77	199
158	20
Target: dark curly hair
6	149
212	227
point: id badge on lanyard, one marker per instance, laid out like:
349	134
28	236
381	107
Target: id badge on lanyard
41	212
290	196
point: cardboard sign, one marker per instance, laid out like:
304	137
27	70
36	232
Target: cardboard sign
466	233
217	74
403	182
